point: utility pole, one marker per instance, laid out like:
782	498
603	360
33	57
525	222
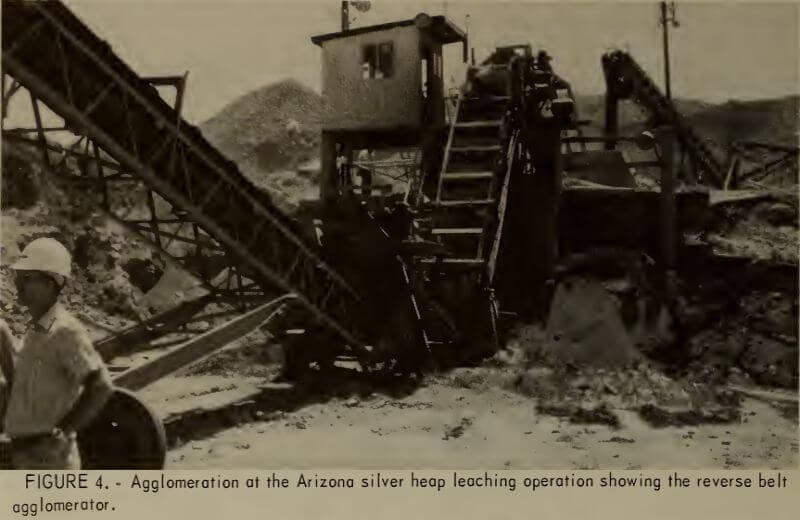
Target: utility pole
361	7
667	18
345	16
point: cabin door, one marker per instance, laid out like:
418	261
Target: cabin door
432	86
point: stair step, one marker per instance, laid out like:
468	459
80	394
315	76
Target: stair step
476	262
457	231
421	226
476	148
470	141
479	123
460	163
451	203
471	114
462	176
486	99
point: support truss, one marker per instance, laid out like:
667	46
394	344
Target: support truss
132	146
766	158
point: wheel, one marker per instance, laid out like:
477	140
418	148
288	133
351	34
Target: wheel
126	435
5	454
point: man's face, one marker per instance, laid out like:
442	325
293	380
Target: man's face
34	288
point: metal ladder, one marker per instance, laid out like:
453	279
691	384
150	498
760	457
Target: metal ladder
466	201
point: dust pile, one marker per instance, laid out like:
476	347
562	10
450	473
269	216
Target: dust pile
273	134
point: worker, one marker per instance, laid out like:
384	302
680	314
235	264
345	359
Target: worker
543	60
8	352
60	383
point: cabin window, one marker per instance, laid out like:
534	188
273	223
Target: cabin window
369	62
377	61
386	59
423	69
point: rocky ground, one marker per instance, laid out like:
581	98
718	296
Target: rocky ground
763	227
478	418
102	293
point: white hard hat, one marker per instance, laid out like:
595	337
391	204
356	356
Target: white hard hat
45	254
645	141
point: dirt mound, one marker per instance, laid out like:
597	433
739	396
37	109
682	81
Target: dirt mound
631	115
271	130
772	120
20	184
267	113
100	291
769	120
584	328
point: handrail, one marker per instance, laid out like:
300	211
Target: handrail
501	207
449	144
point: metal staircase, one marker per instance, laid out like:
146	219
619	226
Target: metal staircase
464	213
465	205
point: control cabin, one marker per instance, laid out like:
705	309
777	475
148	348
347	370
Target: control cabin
383	88
388	77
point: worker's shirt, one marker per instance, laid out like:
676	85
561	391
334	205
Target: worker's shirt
8	351
55	359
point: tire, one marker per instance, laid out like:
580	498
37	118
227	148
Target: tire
127	434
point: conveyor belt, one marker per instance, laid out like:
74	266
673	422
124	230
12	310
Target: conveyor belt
626	79
50	52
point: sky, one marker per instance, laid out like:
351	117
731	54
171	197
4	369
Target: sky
719	51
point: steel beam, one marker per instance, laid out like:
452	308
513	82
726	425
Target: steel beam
202	346
134	99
